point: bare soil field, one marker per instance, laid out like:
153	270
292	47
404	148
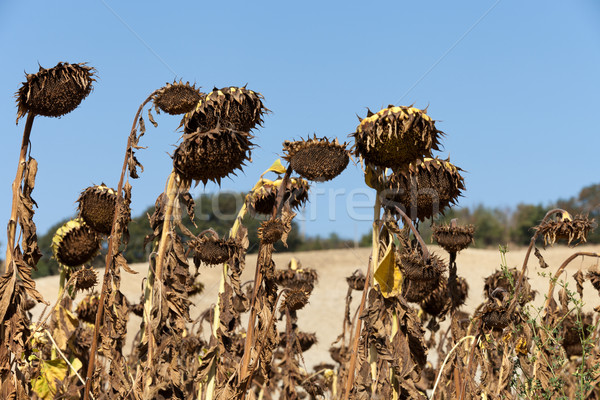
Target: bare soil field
324	313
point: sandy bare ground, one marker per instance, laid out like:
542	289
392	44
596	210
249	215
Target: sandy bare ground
324	313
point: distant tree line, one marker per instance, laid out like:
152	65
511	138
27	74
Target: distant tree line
493	226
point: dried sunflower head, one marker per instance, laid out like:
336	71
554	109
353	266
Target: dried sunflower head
212	251
55	91
573	230
271	231
233	108
572	334
263	199
396	137
88	308
424	189
442	298
453	238
177	98
294	300
356	281
75	243
496	316
594	276
317	159
296	278
97	207
85	278
418	291
505	281
211	156
416	269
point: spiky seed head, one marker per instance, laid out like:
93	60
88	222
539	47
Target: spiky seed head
271	231
317	159
75	243
55	91
396	136
565	227
211	156
263	199
230	108
97	207
85	278
88	308
416	269
426	188
356	281
212	250
294	300
177	98
453	238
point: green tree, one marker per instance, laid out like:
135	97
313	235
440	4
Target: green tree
525	217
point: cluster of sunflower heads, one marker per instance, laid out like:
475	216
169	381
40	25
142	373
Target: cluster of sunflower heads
56	91
263	199
217	138
395	137
317	159
424	189
572	229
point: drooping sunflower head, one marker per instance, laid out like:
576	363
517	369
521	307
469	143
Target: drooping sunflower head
88	308
453	238
294	300
211	156
356	281
317	159
271	231
424	189
263	199
85	278
212	251
97	207
505	281
572	229
55	91
396	136
418	291
295	277
75	243
177	98
234	108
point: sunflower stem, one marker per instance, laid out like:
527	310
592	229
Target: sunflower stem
13	221
372	265
110	251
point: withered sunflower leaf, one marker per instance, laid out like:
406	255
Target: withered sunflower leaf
121	262
540	258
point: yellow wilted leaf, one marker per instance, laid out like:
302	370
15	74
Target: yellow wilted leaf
276	167
369	176
45	385
387	275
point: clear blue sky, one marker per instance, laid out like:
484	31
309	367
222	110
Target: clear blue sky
513	84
